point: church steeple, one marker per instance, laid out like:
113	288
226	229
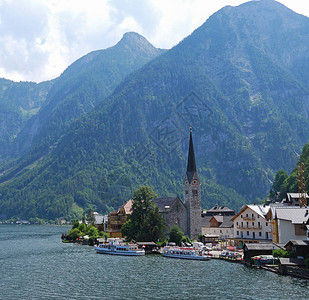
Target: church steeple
192	194
191	166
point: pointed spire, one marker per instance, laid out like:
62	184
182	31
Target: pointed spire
191	167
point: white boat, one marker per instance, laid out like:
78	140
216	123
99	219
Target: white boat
116	248
185	253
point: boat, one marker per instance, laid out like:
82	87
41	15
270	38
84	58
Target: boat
185	253
115	247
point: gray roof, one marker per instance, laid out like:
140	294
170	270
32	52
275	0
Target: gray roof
225	221
99	219
218	209
295	214
164	202
258	208
295	195
205	221
262	246
298	243
291	261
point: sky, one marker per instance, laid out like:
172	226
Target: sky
39	39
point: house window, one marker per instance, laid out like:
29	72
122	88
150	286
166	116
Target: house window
259	224
247	225
266	224
252	223
253	235
241	216
237	223
220	231
247	232
247	215
258	216
237	232
260	233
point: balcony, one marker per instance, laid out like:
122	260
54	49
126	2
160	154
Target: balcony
245	227
248	218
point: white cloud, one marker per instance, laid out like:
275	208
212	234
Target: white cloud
40	38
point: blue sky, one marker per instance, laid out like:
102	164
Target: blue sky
40	38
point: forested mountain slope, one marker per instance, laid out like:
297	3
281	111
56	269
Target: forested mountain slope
238	80
19	101
82	85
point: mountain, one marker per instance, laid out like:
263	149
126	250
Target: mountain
240	80
82	85
19	101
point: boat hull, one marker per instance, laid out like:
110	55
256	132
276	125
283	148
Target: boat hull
117	252
192	257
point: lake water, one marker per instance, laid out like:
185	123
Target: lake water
35	264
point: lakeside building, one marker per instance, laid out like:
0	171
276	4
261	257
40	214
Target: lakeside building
251	225
288	223
187	214
292	199
116	219
100	221
173	211
217	224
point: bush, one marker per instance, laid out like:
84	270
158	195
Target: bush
92	231
73	234
176	235
283	253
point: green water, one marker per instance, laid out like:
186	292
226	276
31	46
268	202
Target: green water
35	264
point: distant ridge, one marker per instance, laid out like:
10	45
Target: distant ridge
241	81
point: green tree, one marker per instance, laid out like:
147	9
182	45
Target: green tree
92	231
73	234
90	217
176	235
75	224
153	227
145	223
82	227
279	180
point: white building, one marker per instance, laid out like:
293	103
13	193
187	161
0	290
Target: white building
288	223
220	226
250	225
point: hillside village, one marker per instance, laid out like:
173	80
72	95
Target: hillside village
256	228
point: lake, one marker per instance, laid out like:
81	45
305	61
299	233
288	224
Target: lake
35	264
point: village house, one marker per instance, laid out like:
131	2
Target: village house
251	226
217	224
100	221
288	223
299	247
116	219
292	199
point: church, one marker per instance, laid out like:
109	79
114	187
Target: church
186	215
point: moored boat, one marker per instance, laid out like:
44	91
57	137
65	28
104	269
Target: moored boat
116	248
185	253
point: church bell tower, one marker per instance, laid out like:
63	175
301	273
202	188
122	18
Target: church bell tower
192	194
